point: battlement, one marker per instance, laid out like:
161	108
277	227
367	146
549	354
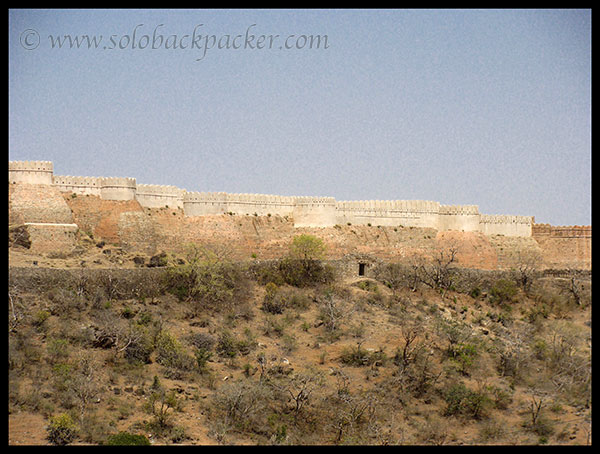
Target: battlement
77	185
307	211
45	166
261	204
203	203
460	210
420	206
159	196
505	219
117	188
508	225
162	190
118	182
562	231
30	172
310	200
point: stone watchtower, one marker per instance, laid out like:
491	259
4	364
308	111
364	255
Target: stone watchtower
117	188
30	172
37	208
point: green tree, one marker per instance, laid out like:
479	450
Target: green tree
303	265
503	291
307	248
207	279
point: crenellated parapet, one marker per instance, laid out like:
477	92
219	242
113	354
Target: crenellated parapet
306	211
562	231
30	172
312	211
260	204
159	196
313	201
508	225
414	213
459	210
204	203
117	188
77	185
505	219
459	217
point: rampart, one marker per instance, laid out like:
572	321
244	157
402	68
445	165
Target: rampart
314	212
305	211
494	224
77	185
562	231
158	196
117	188
410	213
31	172
565	246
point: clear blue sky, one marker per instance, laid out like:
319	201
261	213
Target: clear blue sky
491	107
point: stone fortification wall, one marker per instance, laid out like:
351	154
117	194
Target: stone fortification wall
77	185
109	188
565	246
314	212
459	217
52	238
496	224
562	231
41	211
117	188
31	172
204	203
305	211
413	213
209	203
261	204
37	203
158	196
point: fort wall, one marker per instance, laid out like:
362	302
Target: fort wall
410	213
117	188
158	196
565	246
493	224
305	211
31	172
459	217
77	185
204	203
314	212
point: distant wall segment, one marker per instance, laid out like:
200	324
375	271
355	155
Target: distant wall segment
305	211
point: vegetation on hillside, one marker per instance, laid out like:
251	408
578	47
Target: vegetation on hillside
206	350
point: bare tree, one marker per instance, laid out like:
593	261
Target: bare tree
535	407
525	267
410	349
242	402
16	311
115	332
438	273
575	287
300	388
332	312
85	383
353	412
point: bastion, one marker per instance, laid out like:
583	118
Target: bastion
306	211
51	213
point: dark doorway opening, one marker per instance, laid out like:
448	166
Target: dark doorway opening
361	269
